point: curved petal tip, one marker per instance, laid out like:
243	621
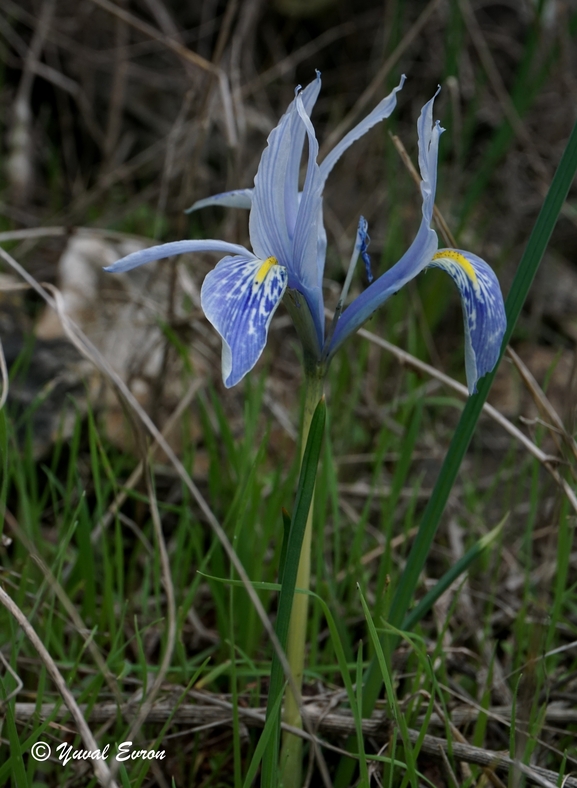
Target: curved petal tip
483	310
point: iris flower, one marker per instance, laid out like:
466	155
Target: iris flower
241	294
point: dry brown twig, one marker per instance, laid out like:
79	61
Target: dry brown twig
19	164
19	684
117	93
136	474
290	62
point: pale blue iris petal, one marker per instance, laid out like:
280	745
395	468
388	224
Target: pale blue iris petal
240	307
275	196
383	109
239	198
267	223
483	310
169	250
308	229
308	97
411	263
321	247
428	135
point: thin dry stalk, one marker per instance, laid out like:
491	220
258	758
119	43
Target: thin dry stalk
19	164
169	159
32	233
290	62
118	91
19	683
247	22
101	770
542	402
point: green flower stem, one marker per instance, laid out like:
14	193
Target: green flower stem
291	753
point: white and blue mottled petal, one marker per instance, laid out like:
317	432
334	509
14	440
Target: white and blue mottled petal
383	109
239	297
483	310
239	198
170	250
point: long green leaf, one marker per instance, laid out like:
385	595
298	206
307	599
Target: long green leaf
303	500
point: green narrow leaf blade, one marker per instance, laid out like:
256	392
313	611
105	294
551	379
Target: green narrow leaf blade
303	501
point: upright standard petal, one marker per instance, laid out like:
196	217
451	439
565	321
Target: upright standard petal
275	200
309	231
308	97
170	250
483	310
383	109
420	252
239	297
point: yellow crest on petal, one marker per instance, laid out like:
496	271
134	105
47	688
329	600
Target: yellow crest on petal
264	269
460	260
